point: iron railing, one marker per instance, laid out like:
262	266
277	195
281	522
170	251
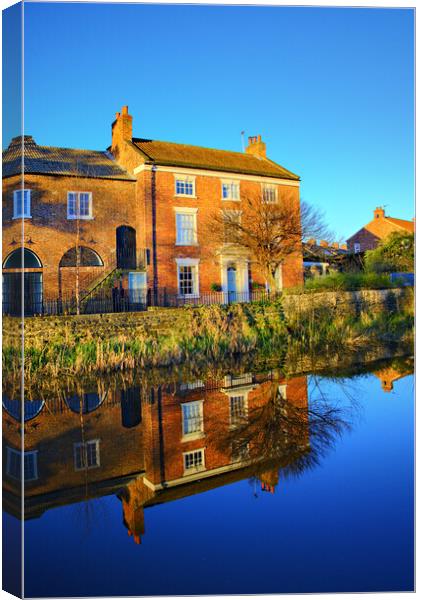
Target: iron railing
118	300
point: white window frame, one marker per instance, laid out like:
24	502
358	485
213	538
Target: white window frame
238	394
84	446
186	179
231	183
187	436
185	210
271	187
189	262
357	247
12	451
78	215
202	467
23	215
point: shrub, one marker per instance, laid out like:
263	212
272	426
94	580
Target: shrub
215	287
394	254
346	282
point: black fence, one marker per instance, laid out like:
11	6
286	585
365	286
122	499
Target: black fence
119	300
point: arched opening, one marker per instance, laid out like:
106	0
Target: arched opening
126	247
31	408
87	258
131	407
23	283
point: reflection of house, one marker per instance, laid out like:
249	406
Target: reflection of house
379	228
389	375
142	205
181	440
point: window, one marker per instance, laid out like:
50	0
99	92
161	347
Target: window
270	194
357	247
192	415
79	205
188	276
191	385
194	461
22	204
186	226
86	455
184	186
30	464
240	451
238	409
230	190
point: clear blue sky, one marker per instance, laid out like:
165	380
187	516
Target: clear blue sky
330	89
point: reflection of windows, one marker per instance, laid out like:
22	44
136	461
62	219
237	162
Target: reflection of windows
239	451
186	226
192	417
188	277
86	455
184	185
194	461
192	385
86	403
230	190
79	205
30	464
22	204
270	194
238	409
243	379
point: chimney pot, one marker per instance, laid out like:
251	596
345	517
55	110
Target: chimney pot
335	245
125	110
324	244
379	212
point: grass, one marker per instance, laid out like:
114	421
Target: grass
346	282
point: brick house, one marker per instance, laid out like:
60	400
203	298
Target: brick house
149	444
379	228
143	206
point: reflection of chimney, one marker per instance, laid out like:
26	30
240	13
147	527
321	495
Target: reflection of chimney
256	147
122	128
269	480
324	244
379	213
343	246
312	242
335	245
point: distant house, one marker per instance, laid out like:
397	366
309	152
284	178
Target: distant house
379	228
322	258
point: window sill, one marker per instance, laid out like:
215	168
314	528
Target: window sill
190	437
187	245
22	217
79	218
194	470
185	196
188	296
231	199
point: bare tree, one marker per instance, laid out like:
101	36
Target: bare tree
268	231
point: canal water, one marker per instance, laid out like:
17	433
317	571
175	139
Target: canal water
247	482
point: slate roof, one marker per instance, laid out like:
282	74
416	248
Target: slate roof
49	160
197	157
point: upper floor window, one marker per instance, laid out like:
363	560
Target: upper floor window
185	185
79	205
270	194
194	461
357	247
86	455
192	418
22	204
186	226
30	464
230	190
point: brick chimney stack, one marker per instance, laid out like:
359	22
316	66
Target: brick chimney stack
121	129
379	213
256	147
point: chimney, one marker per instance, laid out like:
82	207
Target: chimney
121	129
343	246
335	245
256	147
312	242
324	244
379	213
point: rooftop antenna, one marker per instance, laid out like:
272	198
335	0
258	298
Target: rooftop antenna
242	141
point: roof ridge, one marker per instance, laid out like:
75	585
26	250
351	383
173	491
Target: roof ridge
195	146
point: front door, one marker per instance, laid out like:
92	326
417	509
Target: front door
232	284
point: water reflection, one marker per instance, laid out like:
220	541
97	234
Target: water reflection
150	444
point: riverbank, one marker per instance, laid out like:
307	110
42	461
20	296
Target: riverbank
331	321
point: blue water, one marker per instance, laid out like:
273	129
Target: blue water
345	525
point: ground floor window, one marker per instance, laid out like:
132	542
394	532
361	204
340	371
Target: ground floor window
188	277
238	409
